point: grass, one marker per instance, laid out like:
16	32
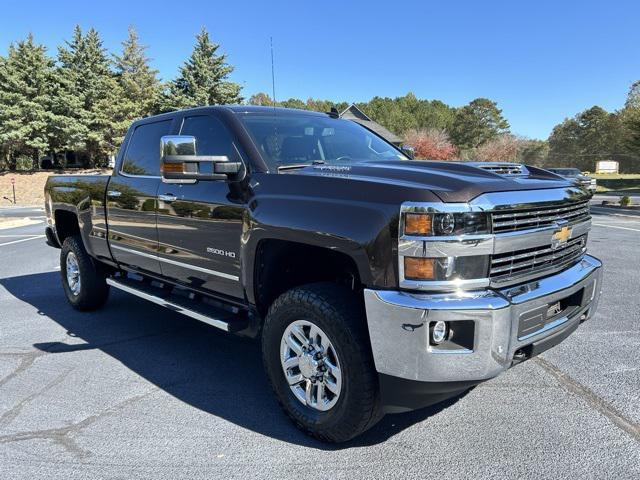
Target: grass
616	176
623	183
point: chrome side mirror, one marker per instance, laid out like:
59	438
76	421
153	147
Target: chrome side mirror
409	151
180	161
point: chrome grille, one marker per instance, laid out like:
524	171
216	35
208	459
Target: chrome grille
522	219
531	260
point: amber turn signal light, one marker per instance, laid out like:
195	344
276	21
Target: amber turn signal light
417	268
417	224
173	167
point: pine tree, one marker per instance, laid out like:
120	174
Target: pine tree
85	67
633	97
139	82
203	78
476	123
26	89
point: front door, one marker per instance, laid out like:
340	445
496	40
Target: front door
200	224
132	199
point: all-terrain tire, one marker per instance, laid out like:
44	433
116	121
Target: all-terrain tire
92	290
338	313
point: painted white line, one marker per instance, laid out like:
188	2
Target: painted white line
21	235
615	226
614	213
32	238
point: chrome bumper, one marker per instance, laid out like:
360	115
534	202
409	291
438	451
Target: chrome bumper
399	324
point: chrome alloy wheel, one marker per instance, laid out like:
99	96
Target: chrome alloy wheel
73	274
311	365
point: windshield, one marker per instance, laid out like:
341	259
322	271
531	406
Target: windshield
295	139
566	172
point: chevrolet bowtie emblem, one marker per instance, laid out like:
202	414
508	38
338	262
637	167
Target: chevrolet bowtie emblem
560	237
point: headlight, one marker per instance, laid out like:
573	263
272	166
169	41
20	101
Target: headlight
446	268
443	246
445	224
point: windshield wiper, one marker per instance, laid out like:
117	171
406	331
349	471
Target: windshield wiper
296	166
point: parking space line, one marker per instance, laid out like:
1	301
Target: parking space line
612	212
21	235
21	240
615	226
594	401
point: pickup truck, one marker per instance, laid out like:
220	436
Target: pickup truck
375	283
576	176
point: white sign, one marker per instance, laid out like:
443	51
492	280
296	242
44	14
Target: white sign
607	166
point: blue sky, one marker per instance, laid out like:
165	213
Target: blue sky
540	60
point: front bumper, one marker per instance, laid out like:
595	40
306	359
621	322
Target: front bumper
507	326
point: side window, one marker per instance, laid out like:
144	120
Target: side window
212	137
143	153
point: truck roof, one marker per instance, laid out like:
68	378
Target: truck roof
238	109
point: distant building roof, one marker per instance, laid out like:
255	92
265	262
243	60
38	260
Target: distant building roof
355	114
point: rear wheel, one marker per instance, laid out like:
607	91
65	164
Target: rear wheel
317	358
84	282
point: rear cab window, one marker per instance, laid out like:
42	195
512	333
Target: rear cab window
142	156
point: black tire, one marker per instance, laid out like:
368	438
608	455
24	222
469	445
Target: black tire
93	291
338	313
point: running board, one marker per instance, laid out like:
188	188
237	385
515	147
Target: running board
216	317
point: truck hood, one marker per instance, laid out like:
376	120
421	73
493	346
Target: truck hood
450	181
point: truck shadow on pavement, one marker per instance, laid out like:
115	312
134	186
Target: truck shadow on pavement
197	364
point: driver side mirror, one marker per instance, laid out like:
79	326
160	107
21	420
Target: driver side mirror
180	163
409	151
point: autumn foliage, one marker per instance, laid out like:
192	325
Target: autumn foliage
431	144
503	148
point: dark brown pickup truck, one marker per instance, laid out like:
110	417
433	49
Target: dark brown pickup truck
375	282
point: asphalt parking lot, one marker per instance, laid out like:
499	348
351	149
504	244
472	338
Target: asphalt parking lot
135	391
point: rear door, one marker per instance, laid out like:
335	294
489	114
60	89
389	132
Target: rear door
200	224
132	199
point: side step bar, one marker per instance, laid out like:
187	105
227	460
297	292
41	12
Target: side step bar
216	317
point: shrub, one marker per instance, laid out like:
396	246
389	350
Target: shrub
24	163
625	201
431	144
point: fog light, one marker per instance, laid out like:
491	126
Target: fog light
439	333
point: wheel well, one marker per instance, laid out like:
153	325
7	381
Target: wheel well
282	265
66	224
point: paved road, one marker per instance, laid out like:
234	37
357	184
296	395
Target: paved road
21	212
137	391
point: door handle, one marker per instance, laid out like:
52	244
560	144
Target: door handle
114	193
167	198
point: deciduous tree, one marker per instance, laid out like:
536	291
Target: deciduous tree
503	148
533	152
591	135
260	99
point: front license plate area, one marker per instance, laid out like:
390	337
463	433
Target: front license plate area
539	319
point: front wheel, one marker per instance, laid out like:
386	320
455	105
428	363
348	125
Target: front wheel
83	281
318	360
